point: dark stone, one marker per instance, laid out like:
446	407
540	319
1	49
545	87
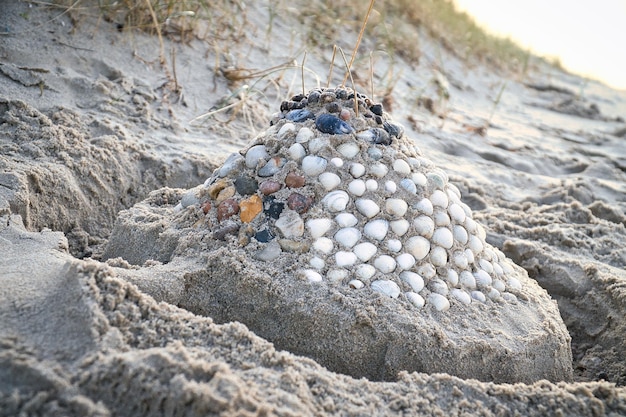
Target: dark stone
272	208
300	115
394	129
327	123
299	203
263	236
229	229
333	107
377	109
246	185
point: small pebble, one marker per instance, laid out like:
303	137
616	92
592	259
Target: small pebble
246	185
268	187
271	167
290	224
250	208
299	203
293	180
226	209
270	252
255	154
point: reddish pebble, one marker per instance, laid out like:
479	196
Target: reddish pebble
206	206
344	114
294	180
299	203
269	187
226	209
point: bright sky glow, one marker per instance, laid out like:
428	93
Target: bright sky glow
589	37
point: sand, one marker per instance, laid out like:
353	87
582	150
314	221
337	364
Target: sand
87	129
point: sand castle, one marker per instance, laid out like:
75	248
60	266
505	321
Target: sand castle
333	237
352	202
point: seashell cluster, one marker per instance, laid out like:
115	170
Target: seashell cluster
354	203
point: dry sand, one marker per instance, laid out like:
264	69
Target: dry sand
90	124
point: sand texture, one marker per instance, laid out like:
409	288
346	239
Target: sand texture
115	299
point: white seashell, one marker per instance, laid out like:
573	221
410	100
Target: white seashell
475	245
424	226
443	237
347	237
317	262
390	187
425	206
408	185
452	277
324	245
507	296
343	258
349	149
497	269
498	285
318	227
356	284
338	162
365	272
304	135
297	152
378	170
313	165
255	154
494	294
480	232
479	296
460	260
364	251
401	167
329	180
367	207
507	267
400	227
386	287
290	224
336	200
415	299
427	271
417	246
439	199
469	255
357	187
385	264
414	162
371	185
438	286
457	213
346	220
286	130
483	279
312	275
461	295
453	191
357	170
337	275
231	163
466	279
394	245
486	266
470	225
405	261
438	301
415	281
419	179
396	207
376	229
514	284
317	144
438	256
441	218
460	234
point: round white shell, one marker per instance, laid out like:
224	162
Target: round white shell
336	200
386	287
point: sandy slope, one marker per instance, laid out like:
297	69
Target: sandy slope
90	124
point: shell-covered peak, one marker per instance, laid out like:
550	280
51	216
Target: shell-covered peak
351	202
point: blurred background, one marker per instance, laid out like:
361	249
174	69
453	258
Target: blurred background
586	37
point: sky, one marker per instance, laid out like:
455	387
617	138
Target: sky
589	37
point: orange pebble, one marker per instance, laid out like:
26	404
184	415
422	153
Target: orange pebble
250	208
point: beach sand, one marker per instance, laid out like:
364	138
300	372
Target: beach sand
94	131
